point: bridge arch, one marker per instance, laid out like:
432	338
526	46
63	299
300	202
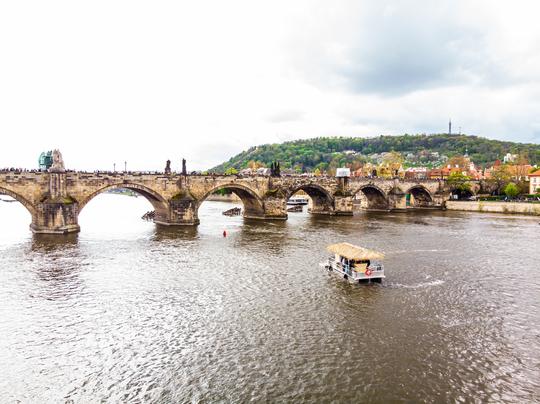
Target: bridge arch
156	200
322	200
19	198
462	192
253	204
421	197
372	197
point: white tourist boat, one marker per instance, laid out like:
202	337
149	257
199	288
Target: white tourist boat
297	200
354	263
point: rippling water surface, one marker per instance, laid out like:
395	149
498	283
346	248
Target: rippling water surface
127	311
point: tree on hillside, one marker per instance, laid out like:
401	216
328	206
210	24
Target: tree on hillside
500	176
520	167
310	153
231	171
460	184
523	187
523	158
254	165
322	167
511	190
520	171
459	161
393	158
392	162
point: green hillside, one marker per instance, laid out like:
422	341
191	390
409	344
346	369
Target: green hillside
327	153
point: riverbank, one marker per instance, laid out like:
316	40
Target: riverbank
521	208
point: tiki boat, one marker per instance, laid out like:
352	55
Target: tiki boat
355	264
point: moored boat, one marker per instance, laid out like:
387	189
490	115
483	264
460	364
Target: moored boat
297	200
233	212
354	263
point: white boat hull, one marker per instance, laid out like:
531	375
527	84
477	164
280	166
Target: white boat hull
373	275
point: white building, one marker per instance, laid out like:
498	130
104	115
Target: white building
343	172
263	171
510	158
419	173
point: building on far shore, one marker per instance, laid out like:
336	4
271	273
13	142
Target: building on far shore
417	173
457	165
534	182
510	158
517	172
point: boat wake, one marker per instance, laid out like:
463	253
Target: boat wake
416	285
410	251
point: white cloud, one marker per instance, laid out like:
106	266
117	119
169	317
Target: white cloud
110	81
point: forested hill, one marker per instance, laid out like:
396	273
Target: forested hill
326	152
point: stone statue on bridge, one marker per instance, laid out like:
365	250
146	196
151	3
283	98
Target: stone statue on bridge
168	168
275	169
58	162
184	170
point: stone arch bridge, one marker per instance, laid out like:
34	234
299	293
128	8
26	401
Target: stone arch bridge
55	200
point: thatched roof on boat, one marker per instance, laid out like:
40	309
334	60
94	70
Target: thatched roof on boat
354	252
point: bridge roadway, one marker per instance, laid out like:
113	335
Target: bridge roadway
55	200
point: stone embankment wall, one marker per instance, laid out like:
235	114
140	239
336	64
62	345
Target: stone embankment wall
495	207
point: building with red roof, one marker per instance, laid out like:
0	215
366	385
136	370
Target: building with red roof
534	184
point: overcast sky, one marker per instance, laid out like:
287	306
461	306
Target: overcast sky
143	82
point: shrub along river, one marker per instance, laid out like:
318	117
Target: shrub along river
127	311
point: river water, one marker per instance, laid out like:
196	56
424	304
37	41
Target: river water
129	312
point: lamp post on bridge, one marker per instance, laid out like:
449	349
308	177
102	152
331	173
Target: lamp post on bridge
125	166
114	167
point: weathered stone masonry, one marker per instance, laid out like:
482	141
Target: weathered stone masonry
55	199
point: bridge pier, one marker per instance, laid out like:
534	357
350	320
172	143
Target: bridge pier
274	208
397	200
182	211
56	217
340	206
57	213
440	198
343	206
